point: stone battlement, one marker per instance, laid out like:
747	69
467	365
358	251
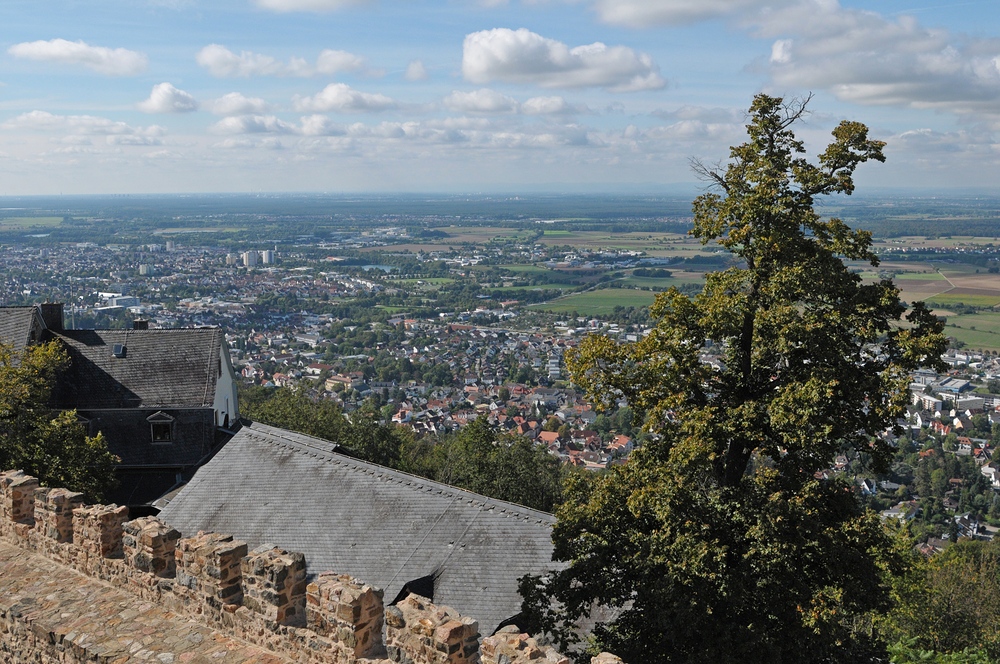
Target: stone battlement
260	603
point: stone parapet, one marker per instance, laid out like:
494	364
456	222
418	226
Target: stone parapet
209	564
417	630
510	646
54	512
260	597
97	529
17	497
149	546
274	585
338	606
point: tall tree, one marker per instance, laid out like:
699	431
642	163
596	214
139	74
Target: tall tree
49	444
718	539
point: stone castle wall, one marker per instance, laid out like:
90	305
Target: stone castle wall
260	597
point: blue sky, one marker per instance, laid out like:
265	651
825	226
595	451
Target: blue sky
133	96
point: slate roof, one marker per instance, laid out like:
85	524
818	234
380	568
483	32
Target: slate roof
161	368
382	526
16	324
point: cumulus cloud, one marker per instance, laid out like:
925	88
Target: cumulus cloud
863	57
77	124
308	5
481	101
235	103
522	56
253	124
548	106
415	71
223	63
165	98
110	61
646	13
342	98
334	62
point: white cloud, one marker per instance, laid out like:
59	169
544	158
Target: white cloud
342	98
77	124
548	106
320	125
165	98
110	61
235	103
866	58
415	71
522	56
223	63
253	124
333	62
308	5
132	139
647	13
481	101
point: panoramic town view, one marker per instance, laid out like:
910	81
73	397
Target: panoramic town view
633	332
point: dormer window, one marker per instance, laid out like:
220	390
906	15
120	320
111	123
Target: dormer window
118	350
161	427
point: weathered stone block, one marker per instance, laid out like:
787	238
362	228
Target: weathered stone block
149	546
54	513
17	497
433	634
98	529
340	607
274	585
210	564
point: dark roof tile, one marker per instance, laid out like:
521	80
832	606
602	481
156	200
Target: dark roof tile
382	526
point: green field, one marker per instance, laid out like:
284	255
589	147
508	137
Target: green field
430	281
598	302
950	299
556	233
29	222
526	269
986	334
661	283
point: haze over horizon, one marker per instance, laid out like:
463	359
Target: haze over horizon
159	96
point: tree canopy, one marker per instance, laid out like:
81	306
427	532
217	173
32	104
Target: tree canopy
720	537
52	445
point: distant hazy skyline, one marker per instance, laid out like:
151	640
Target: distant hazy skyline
134	96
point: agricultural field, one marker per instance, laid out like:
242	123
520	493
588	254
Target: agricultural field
11	223
597	302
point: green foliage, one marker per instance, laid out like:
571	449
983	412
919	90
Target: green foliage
502	466
477	458
951	602
49	444
716	539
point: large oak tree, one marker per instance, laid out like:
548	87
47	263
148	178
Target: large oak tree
719	540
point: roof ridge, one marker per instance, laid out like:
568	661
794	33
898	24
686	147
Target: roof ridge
268	434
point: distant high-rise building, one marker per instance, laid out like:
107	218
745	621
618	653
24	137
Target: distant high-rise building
267	257
170	245
146	270
232	259
250	258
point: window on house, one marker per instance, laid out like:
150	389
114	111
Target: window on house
161	427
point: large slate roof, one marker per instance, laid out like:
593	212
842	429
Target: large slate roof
381	526
161	368
16	325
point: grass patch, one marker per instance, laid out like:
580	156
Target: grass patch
30	222
950	299
599	302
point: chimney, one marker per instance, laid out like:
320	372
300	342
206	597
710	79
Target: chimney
52	315
139	324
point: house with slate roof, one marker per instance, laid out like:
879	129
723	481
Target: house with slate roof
163	399
396	531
